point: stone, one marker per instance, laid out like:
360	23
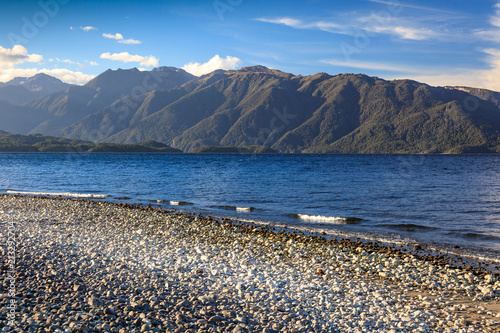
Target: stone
94	302
215	319
109	311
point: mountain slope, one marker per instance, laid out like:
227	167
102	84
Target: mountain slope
11	116
257	106
313	114
68	106
20	90
17	95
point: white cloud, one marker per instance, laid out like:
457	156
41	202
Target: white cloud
466	78
93	63
116	36
397	4
88	28
298	24
372	23
492	34
495	19
130	41
403	32
126	57
18	55
487	79
66	61
213	64
119	37
290	22
371	66
15	56
491	76
63	74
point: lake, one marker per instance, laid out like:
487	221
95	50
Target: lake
443	200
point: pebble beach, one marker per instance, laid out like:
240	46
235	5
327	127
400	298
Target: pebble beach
89	266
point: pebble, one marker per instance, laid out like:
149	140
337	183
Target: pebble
131	269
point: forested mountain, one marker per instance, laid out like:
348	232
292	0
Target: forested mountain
345	113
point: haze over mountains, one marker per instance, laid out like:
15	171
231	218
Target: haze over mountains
321	113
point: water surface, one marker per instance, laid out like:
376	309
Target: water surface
438	199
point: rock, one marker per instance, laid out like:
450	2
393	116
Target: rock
94	302
238	329
485	290
180	317
205	299
135	305
215	319
109	311
38	316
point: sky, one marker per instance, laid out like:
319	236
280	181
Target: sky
454	42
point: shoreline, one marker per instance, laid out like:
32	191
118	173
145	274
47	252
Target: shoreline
261	261
453	257
490	259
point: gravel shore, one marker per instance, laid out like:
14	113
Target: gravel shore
84	266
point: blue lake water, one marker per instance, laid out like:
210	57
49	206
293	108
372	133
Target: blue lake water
437	199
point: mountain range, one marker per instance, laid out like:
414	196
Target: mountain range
22	89
258	106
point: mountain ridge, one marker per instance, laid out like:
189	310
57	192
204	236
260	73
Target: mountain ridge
20	90
258	106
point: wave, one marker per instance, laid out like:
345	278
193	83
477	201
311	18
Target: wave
407	227
179	203
236	208
473	235
62	194
326	219
244	209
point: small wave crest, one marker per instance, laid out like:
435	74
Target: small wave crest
179	203
62	194
244	209
236	208
326	219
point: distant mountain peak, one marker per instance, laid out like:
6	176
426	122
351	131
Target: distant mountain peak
257	69
20	90
168	69
125	80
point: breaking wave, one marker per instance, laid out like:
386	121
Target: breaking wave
238	209
179	203
326	219
62	194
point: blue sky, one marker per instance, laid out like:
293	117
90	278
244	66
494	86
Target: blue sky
439	43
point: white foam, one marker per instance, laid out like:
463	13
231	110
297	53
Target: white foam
243	209
175	203
63	194
319	218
